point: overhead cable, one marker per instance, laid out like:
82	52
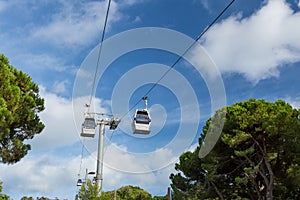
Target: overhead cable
99	54
181	56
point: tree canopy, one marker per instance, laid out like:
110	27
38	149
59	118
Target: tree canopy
20	104
256	157
89	191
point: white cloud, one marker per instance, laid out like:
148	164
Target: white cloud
193	147
205	4
3	5
59	125
62	24
258	45
77	26
62	122
130	2
45	175
124	168
135	162
60	87
294	102
137	19
54	176
43	62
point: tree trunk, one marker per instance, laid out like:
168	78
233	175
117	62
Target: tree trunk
269	194
218	192
269	182
252	178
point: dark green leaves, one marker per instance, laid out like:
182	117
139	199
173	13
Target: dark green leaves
20	104
256	157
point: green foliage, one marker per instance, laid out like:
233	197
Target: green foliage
3	196
160	198
133	193
19	105
42	198
27	198
256	157
89	191
244	153
241	180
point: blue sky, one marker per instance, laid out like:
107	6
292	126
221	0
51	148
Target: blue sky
253	51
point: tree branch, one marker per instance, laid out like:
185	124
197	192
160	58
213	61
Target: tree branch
217	190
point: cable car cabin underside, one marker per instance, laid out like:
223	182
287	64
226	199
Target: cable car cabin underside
140	128
141	122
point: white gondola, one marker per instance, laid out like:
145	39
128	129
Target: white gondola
141	120
79	182
88	128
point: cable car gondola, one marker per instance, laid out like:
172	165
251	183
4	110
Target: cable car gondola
79	182
141	120
88	127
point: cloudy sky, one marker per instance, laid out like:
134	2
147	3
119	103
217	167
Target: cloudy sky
253	51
